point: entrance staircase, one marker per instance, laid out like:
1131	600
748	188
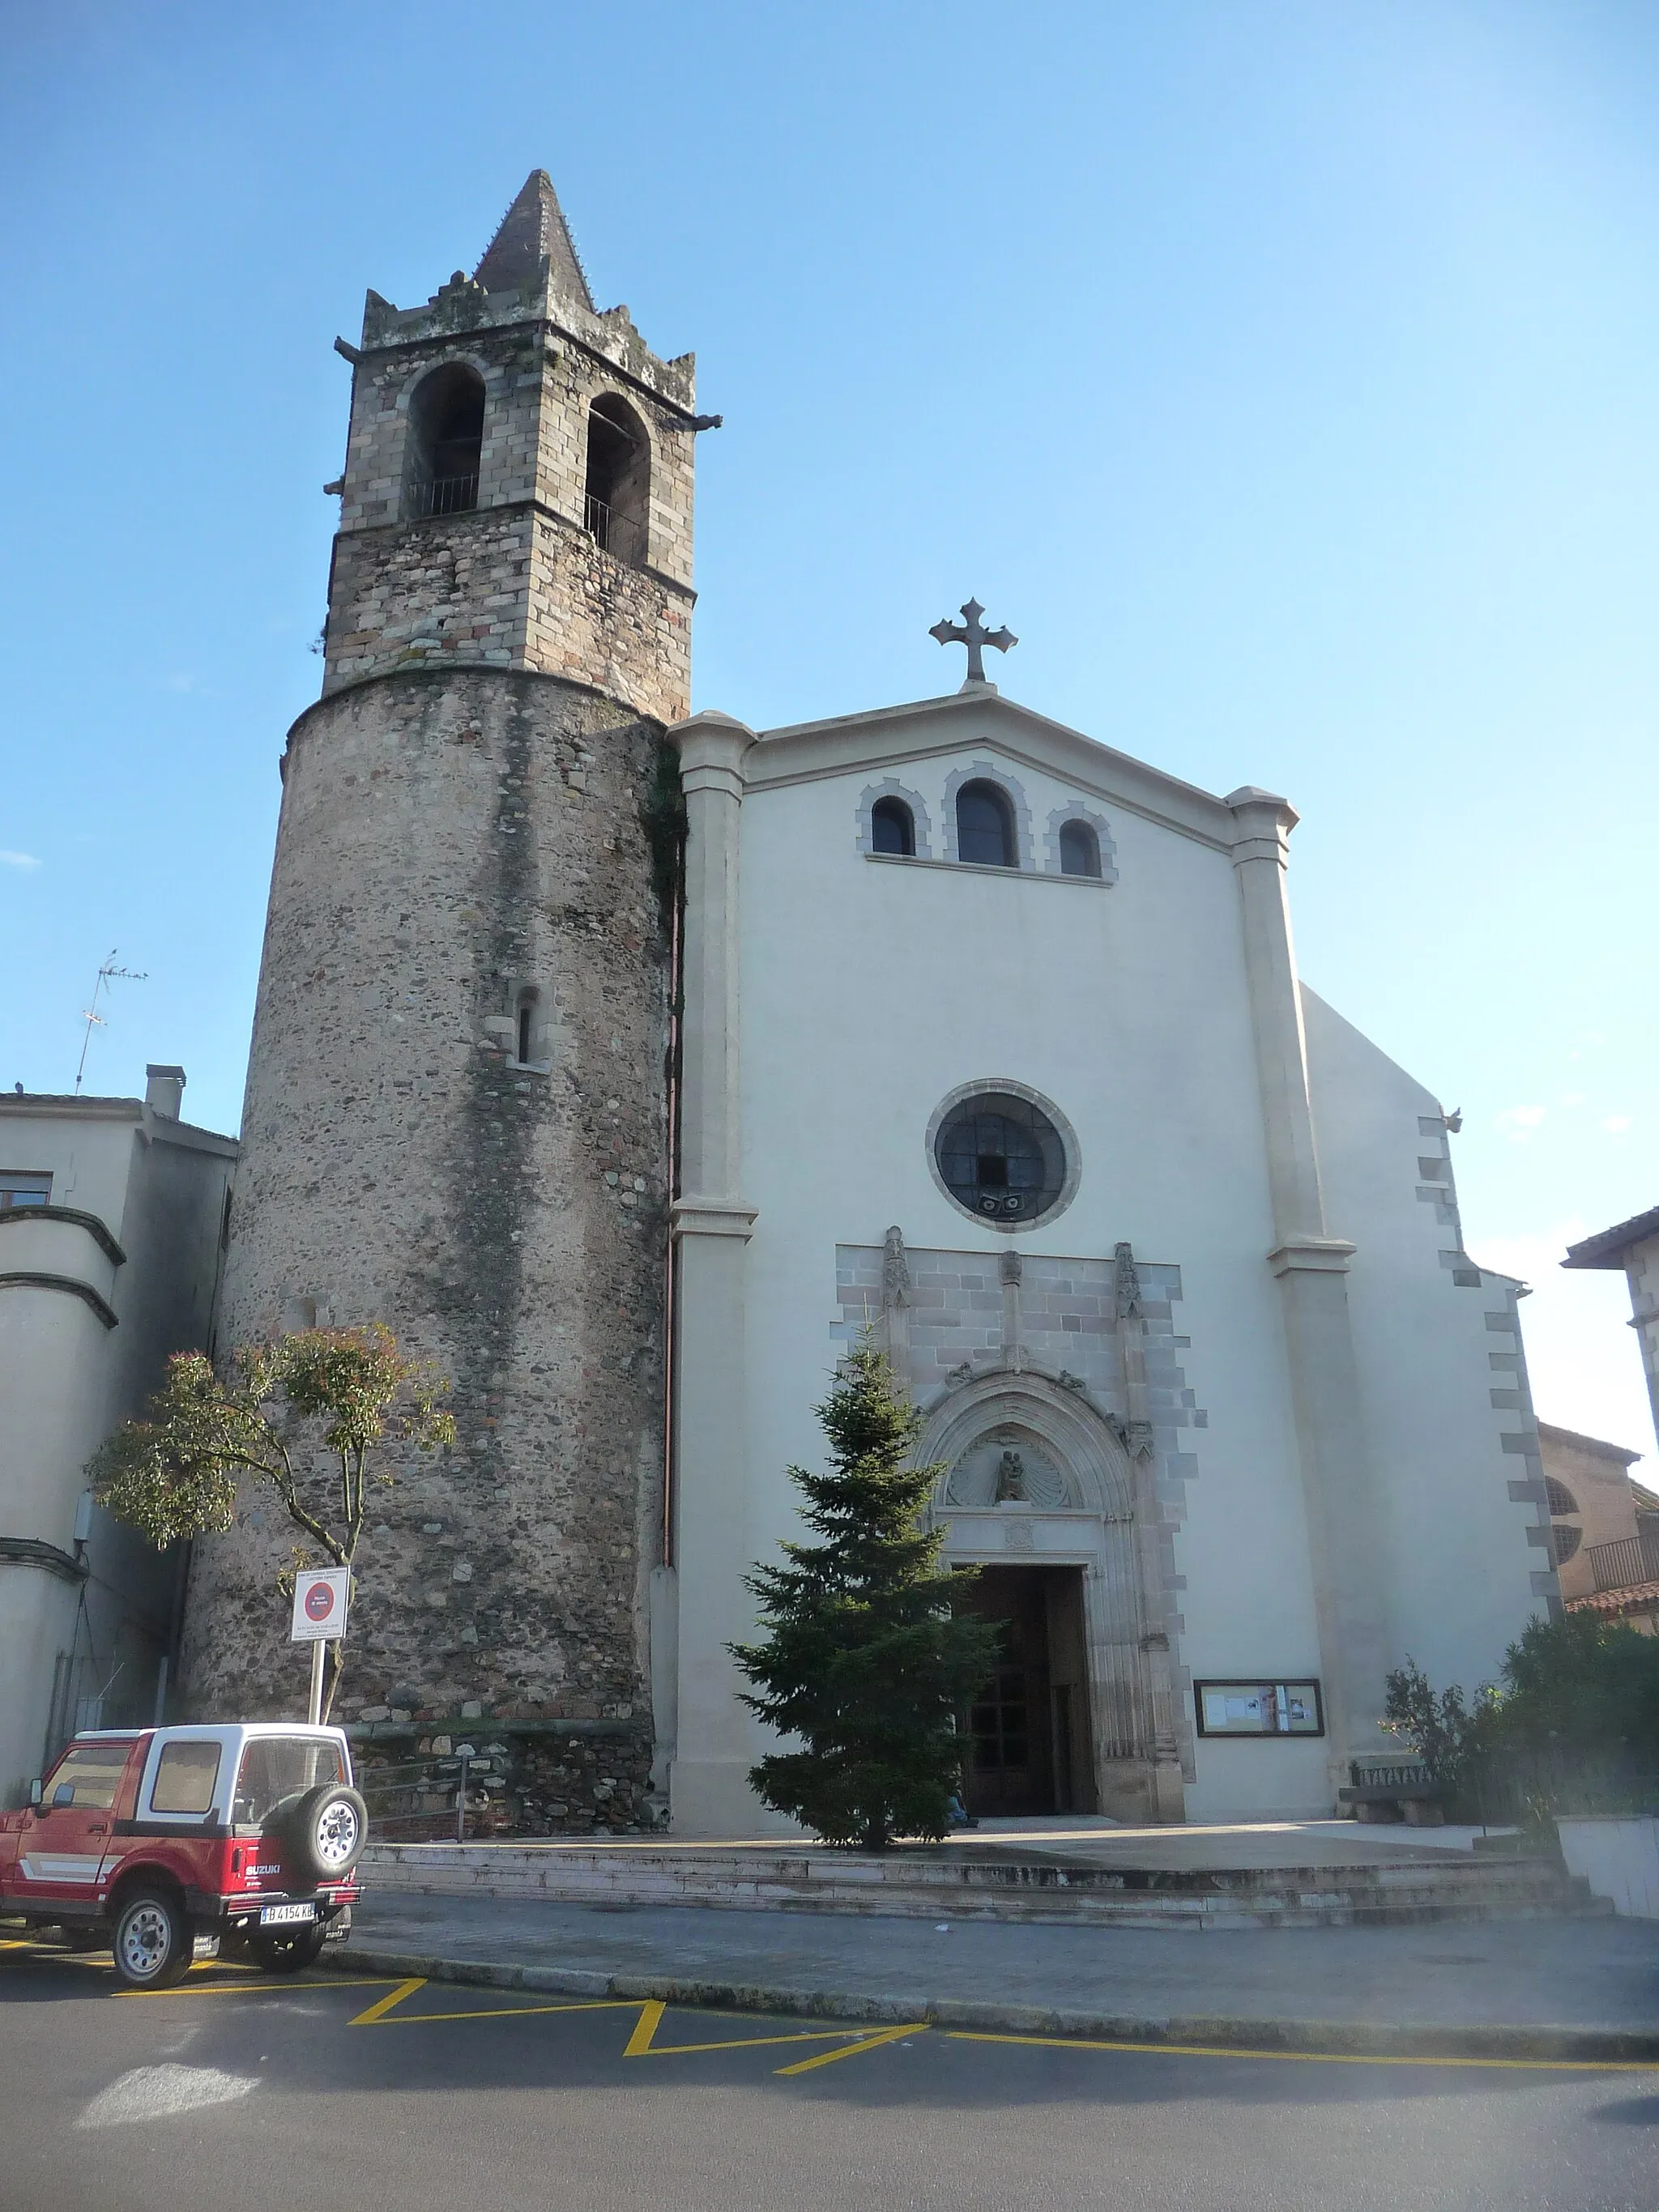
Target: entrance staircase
960	1881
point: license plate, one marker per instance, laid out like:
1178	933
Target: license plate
282	1915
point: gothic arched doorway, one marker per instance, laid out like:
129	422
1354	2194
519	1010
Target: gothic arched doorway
1039	1495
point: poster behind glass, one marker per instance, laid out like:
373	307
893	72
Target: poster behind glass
1259	1708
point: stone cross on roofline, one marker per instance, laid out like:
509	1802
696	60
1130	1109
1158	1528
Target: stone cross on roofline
971	633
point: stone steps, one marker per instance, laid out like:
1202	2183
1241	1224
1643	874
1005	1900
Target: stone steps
1393	1892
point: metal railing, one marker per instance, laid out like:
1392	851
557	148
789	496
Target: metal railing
418	1800
446	494
622	536
1624	1562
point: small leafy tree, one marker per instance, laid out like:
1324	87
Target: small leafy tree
175	1473
864	1659
1444	1730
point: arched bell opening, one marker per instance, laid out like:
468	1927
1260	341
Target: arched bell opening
616	511
445	443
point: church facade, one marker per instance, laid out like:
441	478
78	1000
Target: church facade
632	1065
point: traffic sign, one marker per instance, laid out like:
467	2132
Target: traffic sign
321	1596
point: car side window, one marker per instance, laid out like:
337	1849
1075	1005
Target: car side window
91	1772
184	1776
276	1768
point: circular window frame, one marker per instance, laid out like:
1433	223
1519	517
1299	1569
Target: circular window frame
989	1087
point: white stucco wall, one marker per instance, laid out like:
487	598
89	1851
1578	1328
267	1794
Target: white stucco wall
1437	1405
71	1367
1619	1858
1157	1012
870	990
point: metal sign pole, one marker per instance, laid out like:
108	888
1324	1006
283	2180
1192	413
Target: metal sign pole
466	1754
322	1599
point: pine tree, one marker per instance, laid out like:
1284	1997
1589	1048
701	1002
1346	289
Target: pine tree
864	1659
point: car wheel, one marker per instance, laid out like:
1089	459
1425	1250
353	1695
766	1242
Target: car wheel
326	1832
152	1944
286	1954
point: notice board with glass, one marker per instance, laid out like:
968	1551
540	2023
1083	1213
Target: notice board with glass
1248	1708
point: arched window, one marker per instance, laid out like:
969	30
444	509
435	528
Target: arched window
985	826
1079	849
618	492
1561	1499
893	829
446	439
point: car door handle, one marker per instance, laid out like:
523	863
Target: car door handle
98	1829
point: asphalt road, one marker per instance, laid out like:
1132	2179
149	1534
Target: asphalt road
247	2093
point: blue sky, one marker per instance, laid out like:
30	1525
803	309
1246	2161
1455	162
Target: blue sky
1284	374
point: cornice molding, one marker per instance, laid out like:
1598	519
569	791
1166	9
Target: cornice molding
712	1217
27	1279
1312	1255
31	1552
94	1227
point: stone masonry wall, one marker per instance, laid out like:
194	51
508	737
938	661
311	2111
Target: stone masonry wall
449	839
511	587
516	581
1061	1316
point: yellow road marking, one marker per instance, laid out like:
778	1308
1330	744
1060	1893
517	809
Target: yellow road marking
253	1982
642	2043
380	2010
1307	2057
502	2012
753	2042
854	2049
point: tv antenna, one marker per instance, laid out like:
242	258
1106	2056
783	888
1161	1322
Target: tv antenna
107	974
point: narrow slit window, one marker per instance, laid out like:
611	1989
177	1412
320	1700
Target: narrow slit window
529	1042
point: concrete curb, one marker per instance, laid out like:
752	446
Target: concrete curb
1344	2039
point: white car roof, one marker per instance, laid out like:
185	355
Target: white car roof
215	1730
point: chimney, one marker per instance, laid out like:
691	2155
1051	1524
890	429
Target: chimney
164	1092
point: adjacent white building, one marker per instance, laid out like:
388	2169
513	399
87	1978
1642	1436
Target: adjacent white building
994	1046
113	1214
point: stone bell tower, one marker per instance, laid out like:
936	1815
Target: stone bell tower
455	1118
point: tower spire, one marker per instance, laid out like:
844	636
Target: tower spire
534	230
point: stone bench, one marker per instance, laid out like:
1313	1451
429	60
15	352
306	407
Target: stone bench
1394	1793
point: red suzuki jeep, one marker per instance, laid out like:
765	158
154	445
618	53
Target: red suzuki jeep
148	1838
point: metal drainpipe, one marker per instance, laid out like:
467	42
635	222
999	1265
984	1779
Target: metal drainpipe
673	1183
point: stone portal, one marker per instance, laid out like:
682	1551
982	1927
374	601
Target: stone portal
1030	1749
